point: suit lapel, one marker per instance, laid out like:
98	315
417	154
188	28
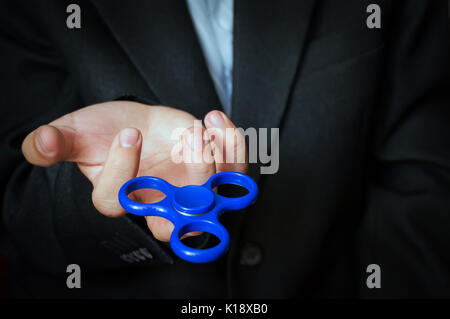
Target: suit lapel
160	40
269	38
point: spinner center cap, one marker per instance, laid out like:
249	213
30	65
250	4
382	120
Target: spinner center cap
193	200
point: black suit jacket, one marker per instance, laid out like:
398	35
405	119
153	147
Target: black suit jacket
364	118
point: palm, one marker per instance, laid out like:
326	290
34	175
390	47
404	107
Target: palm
96	126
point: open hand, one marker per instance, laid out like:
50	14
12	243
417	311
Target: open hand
114	142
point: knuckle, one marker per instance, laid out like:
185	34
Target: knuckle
118	168
160	228
159	235
107	207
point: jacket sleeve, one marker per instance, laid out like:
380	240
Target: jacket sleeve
47	216
35	90
406	227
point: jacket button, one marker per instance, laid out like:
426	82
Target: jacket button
251	255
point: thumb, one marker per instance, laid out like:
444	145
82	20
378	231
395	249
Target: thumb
230	152
48	145
121	165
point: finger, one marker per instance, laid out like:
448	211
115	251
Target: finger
161	228
202	167
199	163
197	154
121	165
230	152
48	145
197	157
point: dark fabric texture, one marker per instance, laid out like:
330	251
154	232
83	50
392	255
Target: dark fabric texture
364	118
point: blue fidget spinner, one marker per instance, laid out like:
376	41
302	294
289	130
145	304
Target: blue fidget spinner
191	208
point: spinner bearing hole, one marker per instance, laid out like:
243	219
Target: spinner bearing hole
204	240
207	239
232	190
147	196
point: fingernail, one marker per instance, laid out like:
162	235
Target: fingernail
129	137
195	142
40	145
217	119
